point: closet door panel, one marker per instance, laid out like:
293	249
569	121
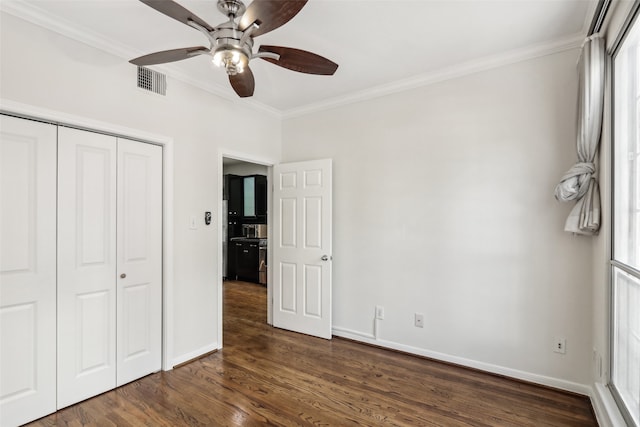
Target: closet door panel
86	265
139	260
27	270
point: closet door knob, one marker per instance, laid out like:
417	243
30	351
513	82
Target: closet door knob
122	276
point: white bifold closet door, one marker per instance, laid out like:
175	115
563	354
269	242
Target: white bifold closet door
109	262
139	261
27	270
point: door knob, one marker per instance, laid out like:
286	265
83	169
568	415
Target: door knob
325	257
122	276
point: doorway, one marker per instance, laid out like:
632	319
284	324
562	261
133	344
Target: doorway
299	219
244	225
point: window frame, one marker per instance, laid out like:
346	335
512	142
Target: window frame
632	19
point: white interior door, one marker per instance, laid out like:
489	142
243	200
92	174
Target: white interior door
86	265
139	293
302	247
27	270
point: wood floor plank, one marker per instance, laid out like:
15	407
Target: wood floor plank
268	376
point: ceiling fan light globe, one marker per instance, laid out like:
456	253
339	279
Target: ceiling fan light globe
234	61
217	59
235	56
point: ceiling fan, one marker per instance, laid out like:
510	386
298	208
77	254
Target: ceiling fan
231	43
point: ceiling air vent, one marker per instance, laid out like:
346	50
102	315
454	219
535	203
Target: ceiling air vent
152	81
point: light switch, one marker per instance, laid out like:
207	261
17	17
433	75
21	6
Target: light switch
192	223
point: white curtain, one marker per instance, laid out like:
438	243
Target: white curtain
579	182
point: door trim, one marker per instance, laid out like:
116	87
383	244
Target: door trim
59	118
264	161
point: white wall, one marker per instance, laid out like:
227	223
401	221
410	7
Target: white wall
443	205
47	70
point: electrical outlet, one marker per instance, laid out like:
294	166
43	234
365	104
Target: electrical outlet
379	312
560	345
418	320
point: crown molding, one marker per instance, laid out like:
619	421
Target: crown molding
443	74
37	16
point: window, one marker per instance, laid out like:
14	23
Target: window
625	362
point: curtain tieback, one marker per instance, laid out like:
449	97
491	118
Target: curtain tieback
575	182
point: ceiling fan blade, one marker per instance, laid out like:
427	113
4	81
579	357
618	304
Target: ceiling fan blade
269	14
169	55
300	60
177	12
243	83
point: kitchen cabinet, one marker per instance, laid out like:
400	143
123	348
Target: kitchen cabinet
246	204
254	197
249	196
232	260
245	257
247	262
234	194
234	227
261	196
246	197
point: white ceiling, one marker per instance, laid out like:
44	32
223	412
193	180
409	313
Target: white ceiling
380	45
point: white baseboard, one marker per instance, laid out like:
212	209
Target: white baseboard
605	407
494	369
194	354
353	335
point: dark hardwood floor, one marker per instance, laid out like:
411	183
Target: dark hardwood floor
270	376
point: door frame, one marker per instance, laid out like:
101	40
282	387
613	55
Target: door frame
59	118
269	163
